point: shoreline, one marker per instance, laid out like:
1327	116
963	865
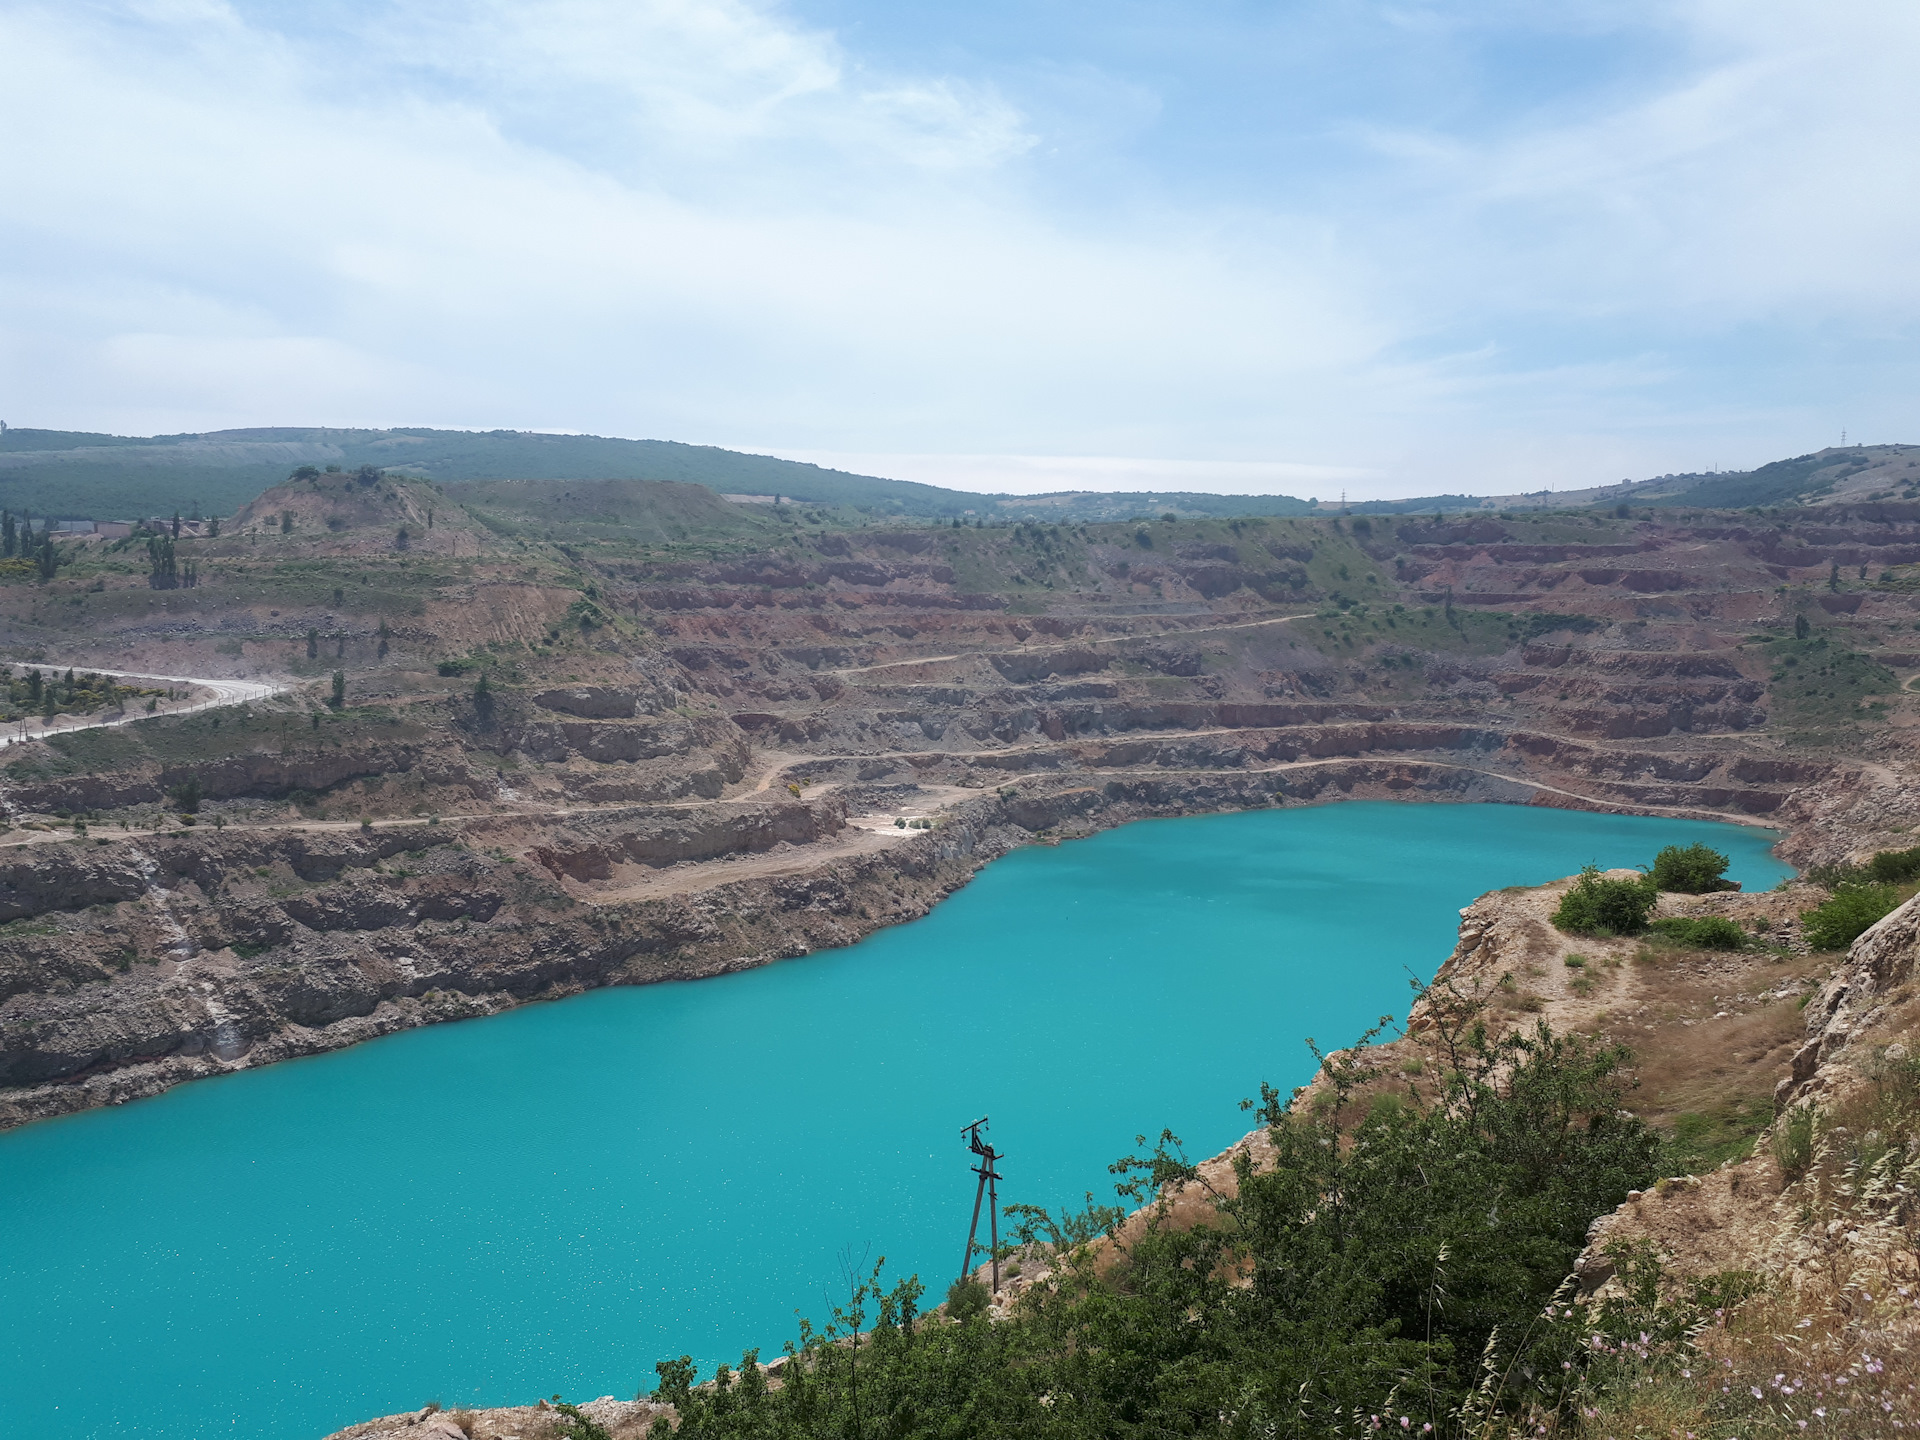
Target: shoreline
736	925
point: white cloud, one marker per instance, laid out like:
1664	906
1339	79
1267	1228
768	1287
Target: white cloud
705	220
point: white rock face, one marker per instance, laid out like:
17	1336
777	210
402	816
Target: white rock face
1879	961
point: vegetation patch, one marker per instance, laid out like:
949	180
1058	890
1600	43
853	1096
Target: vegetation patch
1381	1266
1600	906
1710	932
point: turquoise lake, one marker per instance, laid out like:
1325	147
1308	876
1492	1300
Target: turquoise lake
553	1199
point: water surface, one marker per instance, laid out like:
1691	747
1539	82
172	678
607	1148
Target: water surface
554	1198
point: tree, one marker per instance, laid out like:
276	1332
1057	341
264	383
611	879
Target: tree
1801	629
187	795
163	564
305	472
1690	870
9	538
383	632
313	644
1597	905
50	558
1833	576
402	541
286	522
339	696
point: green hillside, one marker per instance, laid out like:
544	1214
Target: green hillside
646	512
76	474
99	476
1801	477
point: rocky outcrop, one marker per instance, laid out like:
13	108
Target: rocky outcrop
1879	962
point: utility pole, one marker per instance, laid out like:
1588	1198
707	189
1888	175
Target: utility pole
989	1188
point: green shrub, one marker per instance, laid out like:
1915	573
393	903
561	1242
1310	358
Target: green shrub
1894	867
1887	867
1849	914
1392	1260
1599	906
1690	869
187	795
1710	932
966	1298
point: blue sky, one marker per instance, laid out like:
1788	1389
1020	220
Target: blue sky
1391	248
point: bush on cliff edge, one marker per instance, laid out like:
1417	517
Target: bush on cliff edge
1691	870
1599	906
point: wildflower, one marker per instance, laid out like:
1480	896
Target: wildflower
1756	1392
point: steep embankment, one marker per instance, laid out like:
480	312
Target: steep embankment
129	966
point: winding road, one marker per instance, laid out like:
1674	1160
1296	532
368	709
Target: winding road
210	694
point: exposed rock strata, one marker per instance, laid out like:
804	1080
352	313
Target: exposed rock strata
147	962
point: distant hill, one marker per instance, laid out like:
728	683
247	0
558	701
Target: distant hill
1841	474
75	474
81	475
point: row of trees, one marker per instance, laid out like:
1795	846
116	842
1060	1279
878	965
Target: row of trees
19	540
33	693
166	571
365	475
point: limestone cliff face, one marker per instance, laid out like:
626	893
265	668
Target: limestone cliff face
1878	963
130	966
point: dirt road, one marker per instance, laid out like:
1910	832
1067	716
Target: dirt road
205	694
